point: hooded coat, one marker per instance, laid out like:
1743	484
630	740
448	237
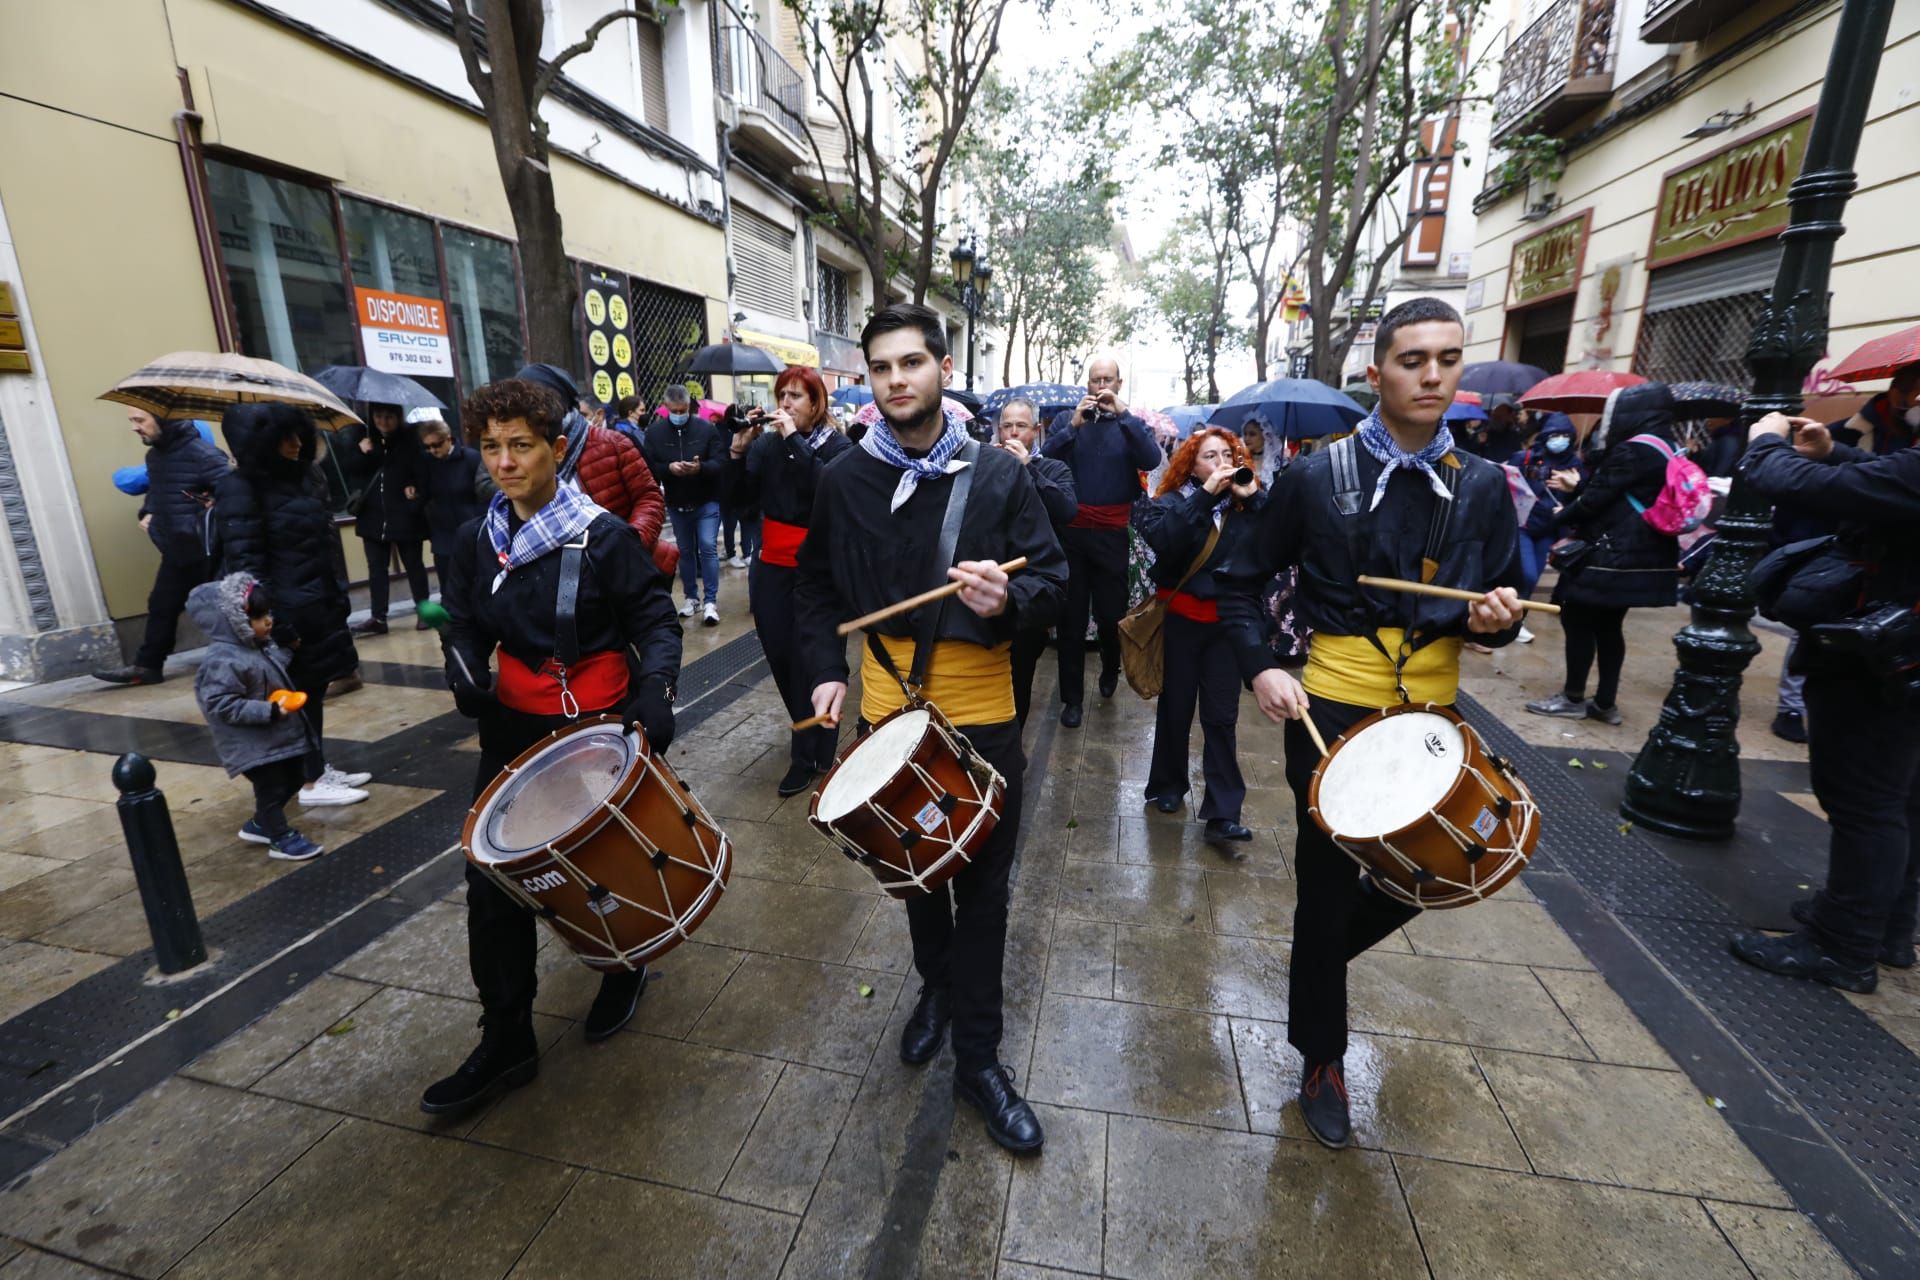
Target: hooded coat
275	524
1632	564
235	678
182	472
396	463
448	484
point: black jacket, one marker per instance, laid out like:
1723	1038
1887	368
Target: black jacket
1107	456
447	485
1053	481
1632	564
395	465
1874	499
859	556
1176	526
182	472
275	523
1300	527
779	476
696	438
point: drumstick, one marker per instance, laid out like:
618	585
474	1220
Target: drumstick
1313	731
811	722
1445	593
914	602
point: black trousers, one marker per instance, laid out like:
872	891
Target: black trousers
315	762
273	785
1028	645
960	929
380	572
770	596
1200	668
1594	630
1865	758
171	583
1339	915
1096	585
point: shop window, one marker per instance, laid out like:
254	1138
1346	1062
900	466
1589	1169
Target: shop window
483	296
282	262
394	252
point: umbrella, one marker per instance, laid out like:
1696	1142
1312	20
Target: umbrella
711	410
1582	391
732	359
1188	418
1705	400
1293	408
1883	357
1512	377
852	397
1165	429
1051	397
1464	411
1467	397
356	382
206	384
957	413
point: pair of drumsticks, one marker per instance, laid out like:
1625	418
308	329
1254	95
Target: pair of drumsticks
1020	562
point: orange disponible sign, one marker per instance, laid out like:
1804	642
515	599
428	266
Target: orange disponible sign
1735	195
1546	265
403	334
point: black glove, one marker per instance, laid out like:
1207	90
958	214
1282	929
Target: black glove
652	710
472	700
286	635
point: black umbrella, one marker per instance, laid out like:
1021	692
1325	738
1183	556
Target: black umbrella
732	359
356	382
1705	400
1491	377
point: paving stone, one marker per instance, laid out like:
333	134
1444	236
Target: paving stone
1055	1208
1603	1019
35	1265
727	798
806	921
615	1229
426	953
776	851
329	823
886	942
1027	1271
250	1053
95	831
1080	962
47	901
18	868
680	986
1463	1001
216	880
1209	973
793	1137
31	972
1106	1055
139	1191
1779	1244
1191	1202
1625	1125
1485	1224
800	1011
1509	932
372	1200
961	1239
1164	896
22	813
834	870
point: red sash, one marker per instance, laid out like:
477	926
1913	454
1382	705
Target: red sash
1102	515
780	541
597	681
1192	608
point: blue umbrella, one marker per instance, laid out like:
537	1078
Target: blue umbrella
1292	408
1492	377
1461	411
1052	397
852	397
1189	417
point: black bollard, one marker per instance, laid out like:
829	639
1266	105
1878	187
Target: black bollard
156	866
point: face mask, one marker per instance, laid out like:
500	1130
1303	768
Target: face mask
1913	417
677	419
1559	444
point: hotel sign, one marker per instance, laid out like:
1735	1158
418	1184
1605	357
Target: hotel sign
1546	265
1735	195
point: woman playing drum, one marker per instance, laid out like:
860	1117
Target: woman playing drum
565	596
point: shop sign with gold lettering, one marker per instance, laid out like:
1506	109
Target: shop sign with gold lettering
1736	195
1546	265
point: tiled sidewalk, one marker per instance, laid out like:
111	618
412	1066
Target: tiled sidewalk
1513	1117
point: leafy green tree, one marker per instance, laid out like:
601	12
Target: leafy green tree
1185	283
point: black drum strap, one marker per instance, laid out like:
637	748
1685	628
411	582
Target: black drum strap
566	604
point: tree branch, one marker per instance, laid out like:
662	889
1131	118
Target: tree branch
463	39
544	79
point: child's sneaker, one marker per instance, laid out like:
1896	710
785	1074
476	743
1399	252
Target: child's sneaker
254	833
327	793
294	847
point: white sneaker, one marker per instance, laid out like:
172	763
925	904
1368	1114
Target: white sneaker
339	778
687	609
1525	636
316	794
738	562
710	617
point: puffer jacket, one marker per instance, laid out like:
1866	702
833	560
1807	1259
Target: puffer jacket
182	472
1632	564
447	484
235	678
387	514
275	524
612	473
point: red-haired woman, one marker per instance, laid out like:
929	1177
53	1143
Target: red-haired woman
775	469
1195	522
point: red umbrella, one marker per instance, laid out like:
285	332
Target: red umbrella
1467	397
1582	391
1883	357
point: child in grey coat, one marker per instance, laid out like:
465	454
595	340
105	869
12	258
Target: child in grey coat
254	733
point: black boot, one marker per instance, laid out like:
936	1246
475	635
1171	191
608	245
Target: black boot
1071	715
1010	1121
508	1056
1323	1104
921	1037
130	675
1895	952
614	1007
798	778
1800	955
1225	829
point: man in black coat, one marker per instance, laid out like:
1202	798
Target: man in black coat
1020	433
182	471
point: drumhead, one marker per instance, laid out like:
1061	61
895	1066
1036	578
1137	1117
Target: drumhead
553	792
874	760
1390	773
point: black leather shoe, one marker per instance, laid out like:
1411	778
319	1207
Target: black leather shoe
1323	1104
1010	1121
505	1059
1071	715
1798	955
1109	681
927	1027
798	778
1895	954
1166	804
130	675
1219	830
614	1007
1790	726
369	627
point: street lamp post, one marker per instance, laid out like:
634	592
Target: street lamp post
973	274
1686	779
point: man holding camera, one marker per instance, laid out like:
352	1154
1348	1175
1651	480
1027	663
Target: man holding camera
1854	603
1108	449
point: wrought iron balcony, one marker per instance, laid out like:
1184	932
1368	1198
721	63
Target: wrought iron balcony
1557	69
772	94
1672	21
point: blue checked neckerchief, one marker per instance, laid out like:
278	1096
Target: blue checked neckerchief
561	521
819	436
880	442
1375	438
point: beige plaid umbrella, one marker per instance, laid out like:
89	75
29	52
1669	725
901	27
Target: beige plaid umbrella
204	384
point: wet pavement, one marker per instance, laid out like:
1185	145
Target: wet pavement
1514	1116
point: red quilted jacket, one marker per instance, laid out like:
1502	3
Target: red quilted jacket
615	476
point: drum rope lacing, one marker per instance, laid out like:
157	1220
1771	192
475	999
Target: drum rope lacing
956	844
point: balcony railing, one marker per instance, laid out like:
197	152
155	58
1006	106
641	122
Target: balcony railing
754	74
1556	69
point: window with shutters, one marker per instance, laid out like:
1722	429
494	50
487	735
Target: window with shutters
653	74
833	301
763	263
1699	315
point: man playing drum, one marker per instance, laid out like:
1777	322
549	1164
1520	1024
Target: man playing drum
1396	500
882	532
567	598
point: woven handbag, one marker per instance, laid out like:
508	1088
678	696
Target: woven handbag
1142	645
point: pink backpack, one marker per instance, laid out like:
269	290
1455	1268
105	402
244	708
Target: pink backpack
1685	500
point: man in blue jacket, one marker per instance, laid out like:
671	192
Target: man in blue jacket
182	470
1108	449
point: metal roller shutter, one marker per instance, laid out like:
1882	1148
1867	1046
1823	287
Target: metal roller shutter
1699	315
763	264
